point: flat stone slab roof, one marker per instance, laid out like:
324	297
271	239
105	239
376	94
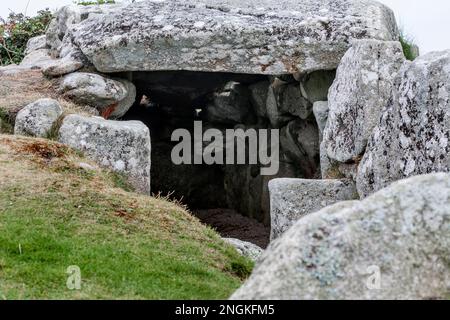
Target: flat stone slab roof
251	36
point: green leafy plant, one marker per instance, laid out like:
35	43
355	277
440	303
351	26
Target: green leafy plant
16	30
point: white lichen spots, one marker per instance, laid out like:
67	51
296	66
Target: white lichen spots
443	142
369	76
119	165
168	27
158	18
199	24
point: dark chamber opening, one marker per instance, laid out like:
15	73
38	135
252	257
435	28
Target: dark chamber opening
221	195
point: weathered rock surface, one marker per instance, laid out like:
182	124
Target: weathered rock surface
247	249
292	199
362	88
42	59
263	37
413	134
325	163
68	16
37	118
336	253
36	43
112	98
315	86
60	67
299	141
122	146
285	102
320	110
230	106
36	59
247	191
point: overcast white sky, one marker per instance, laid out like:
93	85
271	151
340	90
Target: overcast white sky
428	22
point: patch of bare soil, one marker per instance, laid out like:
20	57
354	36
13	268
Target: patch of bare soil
230	224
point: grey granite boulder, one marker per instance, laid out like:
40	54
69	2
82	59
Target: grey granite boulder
36	43
68	16
122	146
258	37
292	199
112	98
36	59
363	86
413	134
38	118
392	245
315	86
60	67
247	249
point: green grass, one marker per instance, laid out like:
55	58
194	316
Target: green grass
127	246
408	46
6	125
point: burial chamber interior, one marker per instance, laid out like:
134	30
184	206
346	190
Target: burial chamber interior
223	194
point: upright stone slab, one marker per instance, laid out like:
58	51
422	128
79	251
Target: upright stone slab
320	110
255	36
399	236
413	134
363	86
122	146
38	118
292	199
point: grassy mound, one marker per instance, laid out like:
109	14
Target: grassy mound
58	210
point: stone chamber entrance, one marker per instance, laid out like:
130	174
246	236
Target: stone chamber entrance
233	199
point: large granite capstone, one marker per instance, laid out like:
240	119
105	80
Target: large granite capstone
253	36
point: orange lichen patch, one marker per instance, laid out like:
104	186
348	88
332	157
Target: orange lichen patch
290	65
264	67
106	113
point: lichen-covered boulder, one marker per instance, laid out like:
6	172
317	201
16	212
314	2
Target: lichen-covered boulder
60	67
38	118
292	199
122	146
362	88
68	16
36	59
392	245
413	134
112	98
36	43
257	37
247	249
